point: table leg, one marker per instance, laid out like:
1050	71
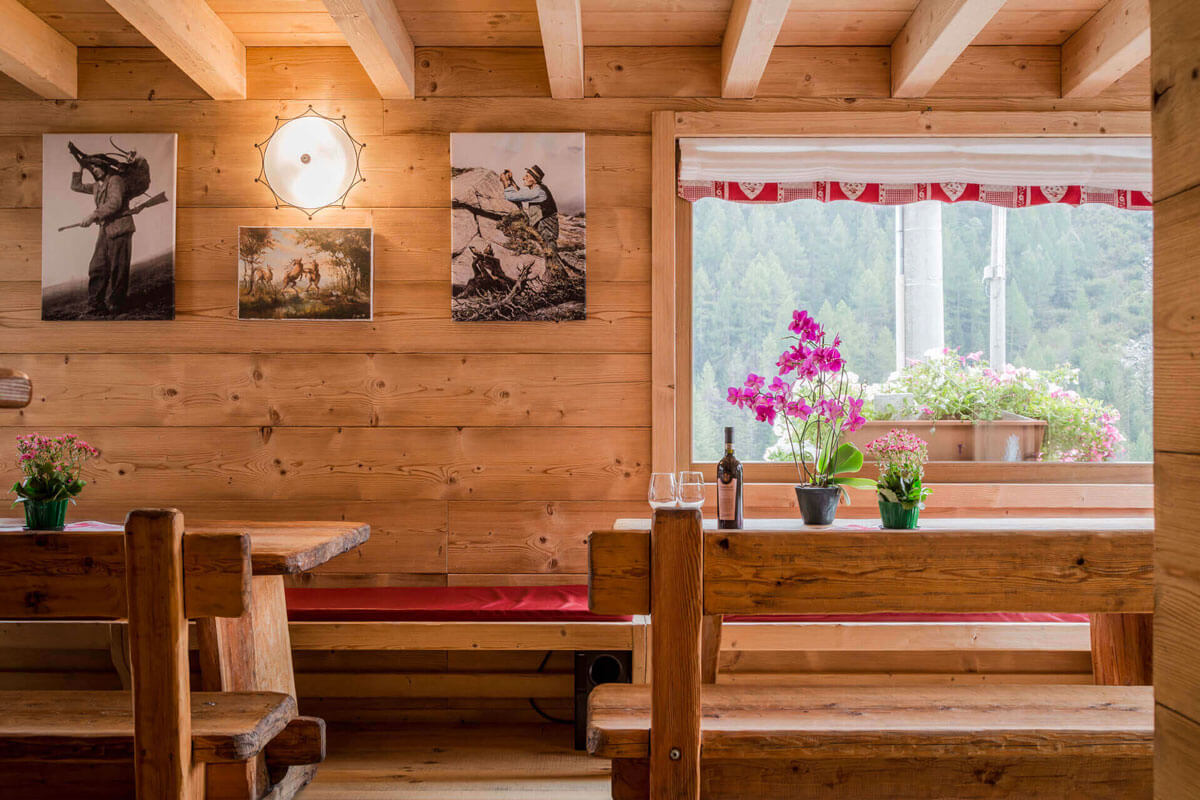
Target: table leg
1122	649
251	653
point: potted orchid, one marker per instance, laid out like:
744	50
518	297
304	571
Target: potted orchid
53	468
901	456
815	409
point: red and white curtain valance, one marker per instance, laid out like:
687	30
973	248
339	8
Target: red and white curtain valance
1014	173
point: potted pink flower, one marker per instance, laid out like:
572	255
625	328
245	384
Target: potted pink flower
816	408
901	456
53	468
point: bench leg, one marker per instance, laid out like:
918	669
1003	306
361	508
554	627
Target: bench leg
250	653
1122	649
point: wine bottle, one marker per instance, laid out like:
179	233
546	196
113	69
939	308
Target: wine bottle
729	487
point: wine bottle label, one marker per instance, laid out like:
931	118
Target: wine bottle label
727	499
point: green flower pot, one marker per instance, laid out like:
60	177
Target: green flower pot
46	515
895	515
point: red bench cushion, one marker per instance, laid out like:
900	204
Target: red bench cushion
444	604
896	617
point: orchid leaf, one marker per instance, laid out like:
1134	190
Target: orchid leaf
847	458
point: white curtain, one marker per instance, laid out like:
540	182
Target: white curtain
1117	163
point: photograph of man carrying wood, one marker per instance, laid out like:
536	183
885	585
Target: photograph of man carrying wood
122	277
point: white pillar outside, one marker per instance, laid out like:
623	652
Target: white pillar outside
920	250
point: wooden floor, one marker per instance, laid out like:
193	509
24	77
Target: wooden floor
448	762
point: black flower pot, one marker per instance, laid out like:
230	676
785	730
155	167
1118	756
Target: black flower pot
818	504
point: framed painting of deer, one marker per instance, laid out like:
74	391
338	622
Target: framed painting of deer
305	273
108	226
519	226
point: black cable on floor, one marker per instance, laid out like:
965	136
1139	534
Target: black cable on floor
533	703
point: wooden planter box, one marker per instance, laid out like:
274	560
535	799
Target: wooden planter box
965	440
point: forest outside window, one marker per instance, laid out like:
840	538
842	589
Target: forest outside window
1072	381
1002	321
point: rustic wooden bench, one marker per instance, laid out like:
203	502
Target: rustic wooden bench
680	738
154	741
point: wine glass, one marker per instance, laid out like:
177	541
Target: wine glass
663	493
691	489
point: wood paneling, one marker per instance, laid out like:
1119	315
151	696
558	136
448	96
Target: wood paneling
477	453
1175	67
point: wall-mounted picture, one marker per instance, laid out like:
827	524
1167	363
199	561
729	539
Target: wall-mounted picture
305	273
108	226
519	227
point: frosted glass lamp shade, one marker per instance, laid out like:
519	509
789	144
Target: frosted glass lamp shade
310	162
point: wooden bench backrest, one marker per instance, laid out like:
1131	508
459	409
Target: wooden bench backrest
81	575
157	577
695	574
1107	570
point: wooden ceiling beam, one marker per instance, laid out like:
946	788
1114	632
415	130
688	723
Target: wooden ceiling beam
561	23
35	55
936	34
377	35
192	35
749	39
1109	45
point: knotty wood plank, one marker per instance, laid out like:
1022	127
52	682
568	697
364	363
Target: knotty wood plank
82	574
331	464
525	537
1112	43
935	35
963	570
619	572
561	26
194	37
473	636
87	726
377	34
908	779
158	655
675	653
355	390
748	42
1177	563
1122	646
285	548
36	55
866	722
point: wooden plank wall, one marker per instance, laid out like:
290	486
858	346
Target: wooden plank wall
1175	31
477	452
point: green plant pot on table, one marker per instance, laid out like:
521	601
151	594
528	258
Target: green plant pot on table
53	468
901	457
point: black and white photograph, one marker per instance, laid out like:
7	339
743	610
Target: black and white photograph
108	226
519	227
305	273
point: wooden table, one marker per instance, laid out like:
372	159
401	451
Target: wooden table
1121	643
254	652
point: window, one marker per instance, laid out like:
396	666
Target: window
1078	292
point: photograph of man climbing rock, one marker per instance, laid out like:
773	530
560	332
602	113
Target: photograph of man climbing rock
519	241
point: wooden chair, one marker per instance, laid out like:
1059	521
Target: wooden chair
16	390
154	741
680	738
